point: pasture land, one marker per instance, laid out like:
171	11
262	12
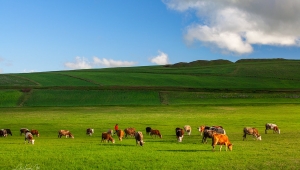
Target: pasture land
87	152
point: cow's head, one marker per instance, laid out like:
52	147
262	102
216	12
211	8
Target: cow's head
258	137
32	141
71	136
230	146
180	139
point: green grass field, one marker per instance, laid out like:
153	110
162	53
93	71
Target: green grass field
275	151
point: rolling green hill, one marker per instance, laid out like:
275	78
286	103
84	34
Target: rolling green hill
199	82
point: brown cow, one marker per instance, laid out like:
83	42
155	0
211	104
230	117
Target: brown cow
188	129
120	134
111	132
271	126
251	131
129	131
155	133
179	134
29	137
35	132
107	137
24	130
221	139
65	133
139	138
89	131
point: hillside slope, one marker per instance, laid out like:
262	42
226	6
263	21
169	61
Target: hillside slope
152	85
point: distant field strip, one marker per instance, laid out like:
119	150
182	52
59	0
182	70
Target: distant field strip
91	98
9	98
13	80
54	79
151	97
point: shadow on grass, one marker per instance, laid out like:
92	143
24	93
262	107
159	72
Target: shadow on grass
184	150
117	145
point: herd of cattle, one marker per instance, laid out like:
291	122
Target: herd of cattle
216	133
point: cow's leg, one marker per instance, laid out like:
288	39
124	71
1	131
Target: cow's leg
244	136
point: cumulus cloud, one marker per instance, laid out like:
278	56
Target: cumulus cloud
160	59
83	63
112	63
80	63
235	26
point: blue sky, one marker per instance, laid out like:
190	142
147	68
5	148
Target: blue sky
38	36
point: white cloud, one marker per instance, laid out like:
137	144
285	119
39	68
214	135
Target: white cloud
160	59
80	63
28	71
112	63
234	26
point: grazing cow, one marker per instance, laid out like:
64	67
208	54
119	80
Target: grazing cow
107	137
29	137
3	133
207	134
274	127
8	131
65	133
120	134
35	132
179	134
221	139
218	129
111	132
148	130
251	131
129	131
203	127
89	131
188	129
139	138
24	130
155	133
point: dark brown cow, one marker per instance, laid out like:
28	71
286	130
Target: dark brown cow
107	137
139	138
89	131
8	131
155	133
251	131
35	132
29	137
148	130
66	133
24	130
207	134
120	134
221	139
3	133
129	131
179	134
271	126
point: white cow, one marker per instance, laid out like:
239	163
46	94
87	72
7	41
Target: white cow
29	137
271	126
188	129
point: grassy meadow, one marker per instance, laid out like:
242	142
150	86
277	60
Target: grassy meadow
248	92
275	151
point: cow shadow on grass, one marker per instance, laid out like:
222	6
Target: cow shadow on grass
184	150
116	145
